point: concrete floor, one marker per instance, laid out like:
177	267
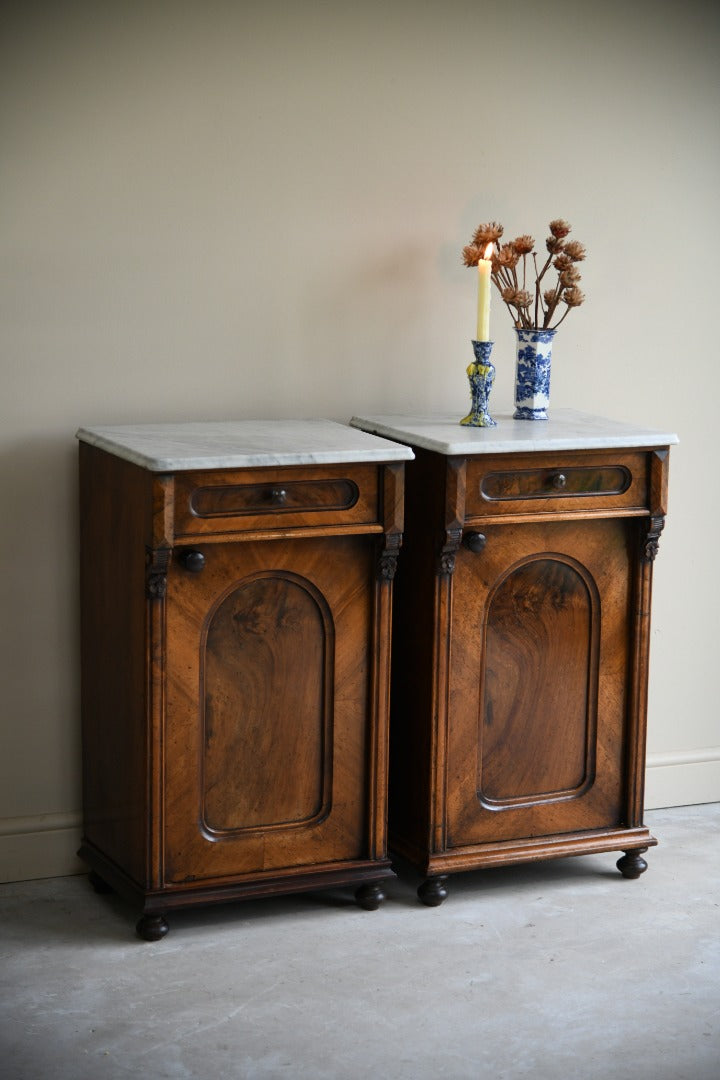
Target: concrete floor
555	970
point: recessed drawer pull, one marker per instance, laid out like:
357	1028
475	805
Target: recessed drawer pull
571	482
324	495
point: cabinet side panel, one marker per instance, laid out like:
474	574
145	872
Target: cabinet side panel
412	713
113	526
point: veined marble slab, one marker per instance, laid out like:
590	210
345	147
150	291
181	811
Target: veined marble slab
565	430
238	444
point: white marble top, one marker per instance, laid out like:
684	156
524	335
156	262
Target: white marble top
240	444
565	430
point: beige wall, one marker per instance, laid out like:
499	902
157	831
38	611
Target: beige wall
217	210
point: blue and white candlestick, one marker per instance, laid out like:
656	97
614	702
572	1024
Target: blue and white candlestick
532	374
481	374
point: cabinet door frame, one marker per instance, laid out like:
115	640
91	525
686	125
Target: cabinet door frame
338	569
595	553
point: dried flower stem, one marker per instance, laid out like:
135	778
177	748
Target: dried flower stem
563	316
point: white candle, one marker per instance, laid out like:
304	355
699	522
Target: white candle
483	316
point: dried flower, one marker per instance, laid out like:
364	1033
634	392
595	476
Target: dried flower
506	256
471	255
559	228
523	245
519	298
570	277
573	297
487	234
575	250
539	307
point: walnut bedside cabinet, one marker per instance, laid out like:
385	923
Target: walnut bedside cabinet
236	610
521	634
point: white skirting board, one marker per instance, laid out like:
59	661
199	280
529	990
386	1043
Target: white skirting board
40	846
682	778
45	845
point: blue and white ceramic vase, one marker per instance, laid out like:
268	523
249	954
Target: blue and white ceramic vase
481	374
532	374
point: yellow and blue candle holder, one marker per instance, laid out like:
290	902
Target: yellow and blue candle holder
481	374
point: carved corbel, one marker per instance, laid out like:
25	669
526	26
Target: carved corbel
157	561
652	537
446	559
387	560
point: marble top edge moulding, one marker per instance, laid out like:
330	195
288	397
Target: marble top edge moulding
565	430
241	444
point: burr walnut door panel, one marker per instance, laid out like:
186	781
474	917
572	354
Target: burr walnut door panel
538	667
267	699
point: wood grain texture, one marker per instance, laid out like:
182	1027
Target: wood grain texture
115	520
289	812
416	652
208	504
281	497
521	657
235	703
539	676
605	481
269	643
564	483
645	547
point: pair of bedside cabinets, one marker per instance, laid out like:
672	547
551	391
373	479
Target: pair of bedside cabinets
242	734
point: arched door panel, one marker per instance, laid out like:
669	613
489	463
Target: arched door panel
265	740
537	682
269	643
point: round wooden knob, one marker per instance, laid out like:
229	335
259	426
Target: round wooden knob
558	481
475	541
192	560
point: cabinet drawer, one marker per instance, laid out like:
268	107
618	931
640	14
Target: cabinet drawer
267	499
540	483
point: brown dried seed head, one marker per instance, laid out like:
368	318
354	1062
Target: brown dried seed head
553	244
559	228
575	250
506	256
562	262
471	255
523	245
519	298
570	277
489	233
573	297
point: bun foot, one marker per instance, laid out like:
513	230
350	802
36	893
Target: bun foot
370	897
432	892
632	864
98	884
152	927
